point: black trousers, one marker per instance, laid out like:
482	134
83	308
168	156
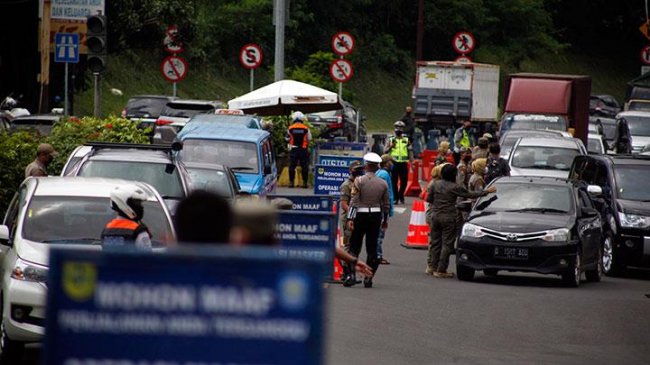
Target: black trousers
399	177
368	225
299	156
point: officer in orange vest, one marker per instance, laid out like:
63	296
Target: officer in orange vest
298	136
127	227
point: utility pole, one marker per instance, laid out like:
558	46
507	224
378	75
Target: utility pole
280	18
420	31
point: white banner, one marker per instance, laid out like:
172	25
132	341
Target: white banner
76	9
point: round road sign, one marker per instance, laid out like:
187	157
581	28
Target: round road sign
341	70
174	68
342	43
171	42
251	56
463	59
645	55
463	42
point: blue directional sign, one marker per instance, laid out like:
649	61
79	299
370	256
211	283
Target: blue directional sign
66	47
332	160
191	307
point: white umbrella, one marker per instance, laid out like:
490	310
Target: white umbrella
282	97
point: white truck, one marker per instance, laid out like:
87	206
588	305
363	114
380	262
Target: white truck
447	92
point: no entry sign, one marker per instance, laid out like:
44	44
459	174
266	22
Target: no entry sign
645	55
463	42
171	42
174	68
251	56
342	43
341	70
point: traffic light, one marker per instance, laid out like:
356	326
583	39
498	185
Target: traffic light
96	42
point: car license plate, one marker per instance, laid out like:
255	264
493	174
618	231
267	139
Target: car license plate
511	253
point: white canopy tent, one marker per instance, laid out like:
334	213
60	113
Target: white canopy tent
283	97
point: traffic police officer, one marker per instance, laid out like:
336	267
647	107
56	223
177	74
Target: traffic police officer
298	136
127	227
399	147
347	190
368	214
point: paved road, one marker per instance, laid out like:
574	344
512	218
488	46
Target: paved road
412	318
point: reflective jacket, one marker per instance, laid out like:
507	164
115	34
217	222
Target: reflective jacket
121	230
298	135
400	150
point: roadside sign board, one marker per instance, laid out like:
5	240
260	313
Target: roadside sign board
251	56
463	59
66	47
171	43
310	203
463	42
333	160
341	70
78	10
174	68
328	179
645	55
342	43
183	307
354	149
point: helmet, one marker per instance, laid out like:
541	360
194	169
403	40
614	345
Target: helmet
399	124
298	116
127	201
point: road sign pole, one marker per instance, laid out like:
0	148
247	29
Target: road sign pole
252	79
340	84
66	102
173	89
98	95
280	19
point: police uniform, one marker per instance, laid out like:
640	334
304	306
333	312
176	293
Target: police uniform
299	137
400	152
369	208
346	196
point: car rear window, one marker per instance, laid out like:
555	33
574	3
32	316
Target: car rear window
639	126
632	182
213	180
239	156
540	157
594	145
145	107
180	110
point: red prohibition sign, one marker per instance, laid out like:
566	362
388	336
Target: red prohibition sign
342	43
251	56
341	70
463	42
174	68
170	42
645	55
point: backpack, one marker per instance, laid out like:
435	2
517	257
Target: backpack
493	169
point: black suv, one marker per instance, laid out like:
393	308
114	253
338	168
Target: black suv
536	224
340	123
625	204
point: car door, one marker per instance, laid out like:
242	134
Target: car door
590	228
7	255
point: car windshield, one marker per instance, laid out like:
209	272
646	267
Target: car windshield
639	105
632	181
164	177
145	107
540	157
80	220
239	156
639	126
527	197
534	121
212	180
186	110
594	145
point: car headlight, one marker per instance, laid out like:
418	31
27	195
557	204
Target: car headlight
633	220
472	231
29	272
557	235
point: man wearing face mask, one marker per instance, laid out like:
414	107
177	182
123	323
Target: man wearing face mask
400	149
464	168
45	153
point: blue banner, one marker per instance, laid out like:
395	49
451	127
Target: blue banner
328	179
310	203
341	161
302	232
183	308
342	148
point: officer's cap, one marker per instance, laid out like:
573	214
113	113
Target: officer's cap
371	158
356	165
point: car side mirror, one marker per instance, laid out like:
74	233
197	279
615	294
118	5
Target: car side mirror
589	212
595	190
267	170
464	206
4	235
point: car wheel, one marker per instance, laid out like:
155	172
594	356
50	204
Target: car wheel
490	272
464	273
571	276
11	352
613	262
597	273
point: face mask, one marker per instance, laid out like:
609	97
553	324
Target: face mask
398	133
467	159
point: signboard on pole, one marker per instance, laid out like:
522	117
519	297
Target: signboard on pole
66	47
251	56
75	9
355	149
463	42
341	70
342	43
171	43
198	307
341	161
174	68
463	59
328	179
310	203
645	55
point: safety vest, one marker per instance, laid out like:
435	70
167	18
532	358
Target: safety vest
121	230
298	135
400	151
464	142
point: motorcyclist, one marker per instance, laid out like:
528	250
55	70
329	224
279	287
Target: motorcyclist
127	227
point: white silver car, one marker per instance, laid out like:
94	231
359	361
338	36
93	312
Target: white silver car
55	212
551	157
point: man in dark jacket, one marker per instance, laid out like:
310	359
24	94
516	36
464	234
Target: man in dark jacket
409	122
622	139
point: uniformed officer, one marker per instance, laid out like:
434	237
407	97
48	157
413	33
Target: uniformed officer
346	189
399	147
127	227
298	136
368	213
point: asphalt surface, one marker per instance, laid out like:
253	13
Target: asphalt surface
409	317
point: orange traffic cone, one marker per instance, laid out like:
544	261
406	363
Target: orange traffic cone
413	187
418	235
338	271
